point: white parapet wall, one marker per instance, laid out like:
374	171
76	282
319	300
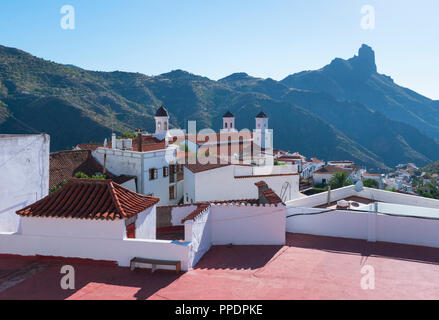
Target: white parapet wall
235	224
115	250
401	219
24	168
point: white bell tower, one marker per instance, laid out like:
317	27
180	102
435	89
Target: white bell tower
262	133
228	122
161	123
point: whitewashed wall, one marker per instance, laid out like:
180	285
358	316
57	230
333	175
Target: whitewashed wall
179	213
248	225
130	185
146	224
73	228
24	168
118	250
138	164
341	224
317	178
199	234
364	225
221	184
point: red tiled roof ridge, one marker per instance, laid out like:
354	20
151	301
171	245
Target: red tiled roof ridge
267	175
103	200
201	207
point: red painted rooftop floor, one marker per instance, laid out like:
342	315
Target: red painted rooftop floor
308	267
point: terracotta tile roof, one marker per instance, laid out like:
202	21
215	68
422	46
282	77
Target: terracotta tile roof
149	143
268	175
64	164
200	209
90	199
123	178
331	169
272	197
372	174
198	167
265	192
89	146
289	158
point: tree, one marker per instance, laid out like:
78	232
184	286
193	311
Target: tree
371	183
340	180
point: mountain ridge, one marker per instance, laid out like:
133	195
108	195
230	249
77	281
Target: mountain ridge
76	105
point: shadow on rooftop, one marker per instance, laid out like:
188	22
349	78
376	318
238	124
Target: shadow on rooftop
237	257
364	248
93	280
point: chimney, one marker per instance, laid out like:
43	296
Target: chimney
262	187
113	141
139	140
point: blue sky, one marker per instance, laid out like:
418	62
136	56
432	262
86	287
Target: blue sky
216	38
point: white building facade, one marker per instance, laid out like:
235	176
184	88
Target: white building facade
24	166
231	182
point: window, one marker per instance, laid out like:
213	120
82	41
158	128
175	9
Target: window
153	173
166	125
171	193
165	171
225	125
159	125
172	168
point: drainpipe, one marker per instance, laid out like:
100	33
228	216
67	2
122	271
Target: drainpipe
329	195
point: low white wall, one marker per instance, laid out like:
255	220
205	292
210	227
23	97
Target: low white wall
364	225
422	232
322	198
248	225
179	213
231	224
199	233
343	224
118	250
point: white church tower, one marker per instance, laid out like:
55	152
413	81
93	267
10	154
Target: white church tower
263	136
228	122
161	123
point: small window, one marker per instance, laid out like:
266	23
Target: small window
165	171
225	125
171	193
172	168
159	125
166	125
231	125
153	173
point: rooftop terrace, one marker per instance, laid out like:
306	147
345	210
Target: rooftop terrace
308	267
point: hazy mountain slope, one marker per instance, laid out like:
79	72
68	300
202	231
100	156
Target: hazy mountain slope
357	79
75	105
393	142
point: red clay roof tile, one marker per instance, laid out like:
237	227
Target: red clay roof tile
90	199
